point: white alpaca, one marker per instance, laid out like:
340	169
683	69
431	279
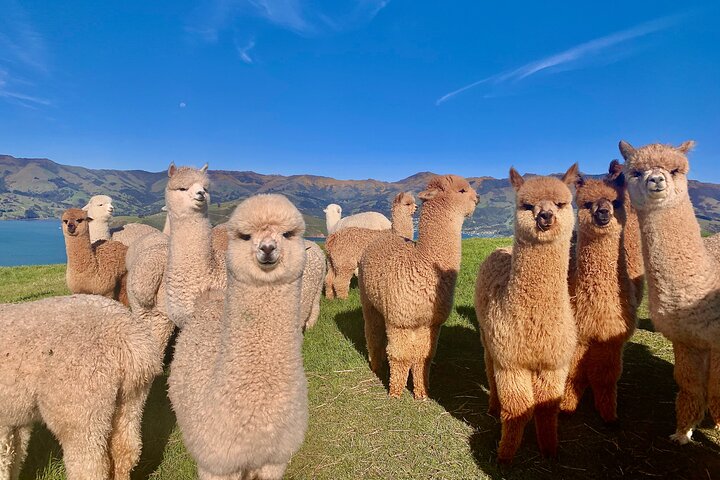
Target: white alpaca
371	220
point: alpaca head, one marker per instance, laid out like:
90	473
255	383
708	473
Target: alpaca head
266	241
333	211
406	202
656	174
543	210
99	207
75	222
454	190
187	190
600	203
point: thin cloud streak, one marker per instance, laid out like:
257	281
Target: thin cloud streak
593	47
243	51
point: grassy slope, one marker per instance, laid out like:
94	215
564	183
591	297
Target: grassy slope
356	431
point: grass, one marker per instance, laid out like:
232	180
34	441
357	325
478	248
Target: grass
356	431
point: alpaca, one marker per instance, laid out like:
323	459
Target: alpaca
100	209
523	309
371	220
192	266
407	288
237	383
84	366
683	278
631	238
97	268
345	247
602	296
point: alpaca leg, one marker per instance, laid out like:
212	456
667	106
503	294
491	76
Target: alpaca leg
399	372
713	388
126	435
21	440
205	475
577	380
342	283
691	375
270	472
493	401
514	389
548	388
13	449
86	456
375	336
315	310
329	282
427	338
604	371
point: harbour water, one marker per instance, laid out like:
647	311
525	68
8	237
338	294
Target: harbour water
31	242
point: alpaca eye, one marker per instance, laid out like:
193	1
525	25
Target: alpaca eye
527	206
65	222
243	236
617	204
636	174
289	234
588	205
79	220
462	190
561	205
182	189
675	172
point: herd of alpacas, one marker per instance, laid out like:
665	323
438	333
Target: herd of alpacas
554	312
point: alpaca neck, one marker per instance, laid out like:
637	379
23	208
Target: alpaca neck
190	243
80	254
402	222
440	234
99	230
330	222
166	228
536	271
250	321
601	259
676	261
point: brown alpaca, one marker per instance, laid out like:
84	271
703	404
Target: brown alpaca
603	300
407	288
683	277
523	308
631	238
97	268
346	246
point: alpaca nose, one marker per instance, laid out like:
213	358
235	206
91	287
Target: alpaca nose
545	219
71	227
656	182
602	216
267	249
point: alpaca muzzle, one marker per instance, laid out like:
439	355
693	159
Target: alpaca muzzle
267	254
71	227
656	183
601	217
544	220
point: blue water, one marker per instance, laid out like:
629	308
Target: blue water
31	242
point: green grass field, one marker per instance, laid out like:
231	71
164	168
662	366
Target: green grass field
356	431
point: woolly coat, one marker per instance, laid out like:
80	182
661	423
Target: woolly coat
371	220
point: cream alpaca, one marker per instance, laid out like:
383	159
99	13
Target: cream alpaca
604	300
92	268
84	366
100	209
523	308
371	220
407	288
345	247
237	383
683	277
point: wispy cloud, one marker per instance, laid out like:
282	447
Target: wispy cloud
570	59
243	51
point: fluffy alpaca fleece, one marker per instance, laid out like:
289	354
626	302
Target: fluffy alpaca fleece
97	268
371	220
523	308
237	383
683	277
631	238
192	266
602	295
407	288
100	209
345	247
83	365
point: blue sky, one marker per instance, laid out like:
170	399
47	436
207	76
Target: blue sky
358	88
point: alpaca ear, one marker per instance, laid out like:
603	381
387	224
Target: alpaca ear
615	169
429	194
86	207
571	175
204	168
685	147
579	181
516	180
626	150
172	169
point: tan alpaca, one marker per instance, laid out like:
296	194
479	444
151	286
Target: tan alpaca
523	308
631	238
345	247
683	277
407	288
237	383
97	268
192	266
604	300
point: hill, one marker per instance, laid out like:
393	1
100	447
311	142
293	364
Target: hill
41	188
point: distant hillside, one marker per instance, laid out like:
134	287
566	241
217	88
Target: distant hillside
41	188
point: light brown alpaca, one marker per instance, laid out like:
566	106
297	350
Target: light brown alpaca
683	277
407	287
192	266
603	300
97	268
346	246
631	238
523	308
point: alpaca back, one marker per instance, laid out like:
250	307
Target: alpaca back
132	232
370	220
